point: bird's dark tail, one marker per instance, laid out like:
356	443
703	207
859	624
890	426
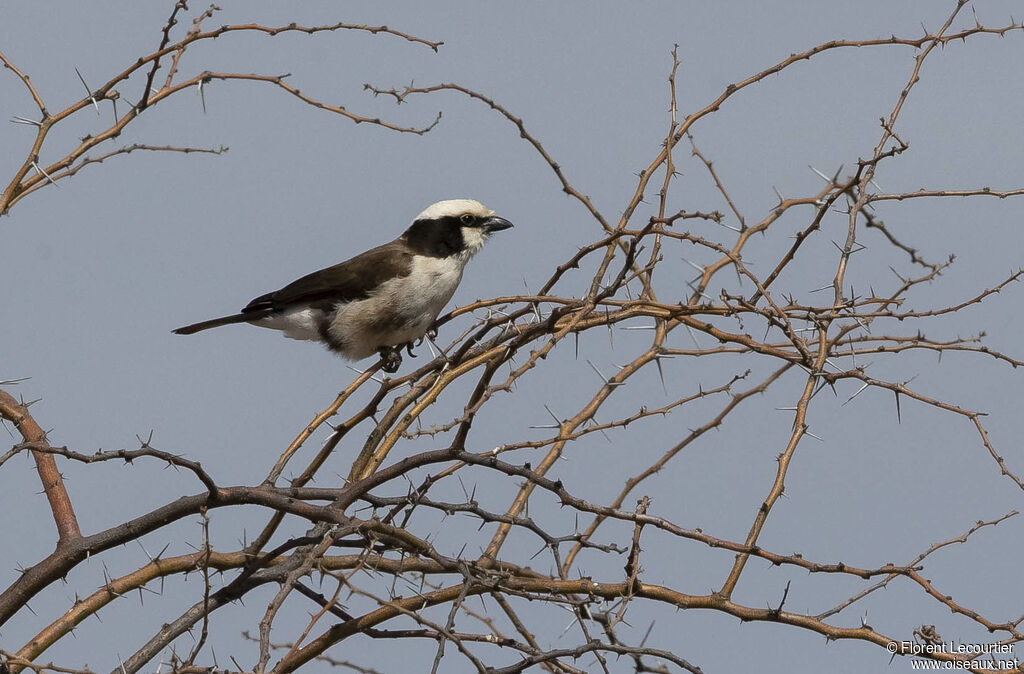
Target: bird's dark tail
214	323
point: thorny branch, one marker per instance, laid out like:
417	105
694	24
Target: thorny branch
32	175
669	296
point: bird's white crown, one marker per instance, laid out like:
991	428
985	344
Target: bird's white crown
455	207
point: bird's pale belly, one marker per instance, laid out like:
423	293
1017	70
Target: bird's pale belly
359	329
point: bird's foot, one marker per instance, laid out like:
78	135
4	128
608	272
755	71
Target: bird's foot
428	335
390	358
394	353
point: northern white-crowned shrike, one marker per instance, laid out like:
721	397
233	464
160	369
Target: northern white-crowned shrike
380	300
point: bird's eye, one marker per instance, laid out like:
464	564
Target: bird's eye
467	219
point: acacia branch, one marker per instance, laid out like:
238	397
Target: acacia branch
53	482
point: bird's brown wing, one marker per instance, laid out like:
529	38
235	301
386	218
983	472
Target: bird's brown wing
347	281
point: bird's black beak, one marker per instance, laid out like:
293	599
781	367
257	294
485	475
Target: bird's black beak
495	224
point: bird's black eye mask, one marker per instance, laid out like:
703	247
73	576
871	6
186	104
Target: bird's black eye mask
439	237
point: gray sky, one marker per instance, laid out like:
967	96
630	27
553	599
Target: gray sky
98	271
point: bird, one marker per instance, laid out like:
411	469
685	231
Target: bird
382	299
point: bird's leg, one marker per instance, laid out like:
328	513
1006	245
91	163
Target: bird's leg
390	358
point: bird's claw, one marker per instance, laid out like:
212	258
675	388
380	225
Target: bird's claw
429	334
392	355
390	359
